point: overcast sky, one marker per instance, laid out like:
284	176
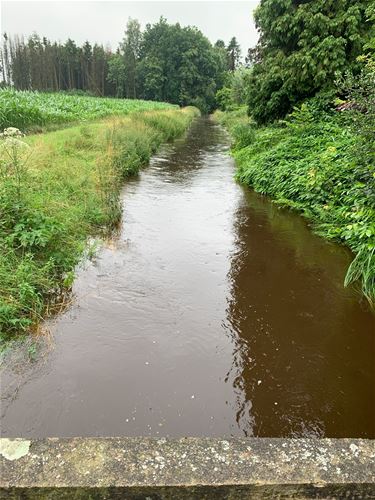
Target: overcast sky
104	21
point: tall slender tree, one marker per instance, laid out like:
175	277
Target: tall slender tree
234	54
131	46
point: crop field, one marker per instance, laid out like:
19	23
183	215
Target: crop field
29	110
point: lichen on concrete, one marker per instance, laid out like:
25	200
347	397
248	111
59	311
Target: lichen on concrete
199	467
13	449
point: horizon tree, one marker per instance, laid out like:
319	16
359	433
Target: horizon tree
234	54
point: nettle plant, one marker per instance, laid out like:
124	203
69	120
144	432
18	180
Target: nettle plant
14	154
26	227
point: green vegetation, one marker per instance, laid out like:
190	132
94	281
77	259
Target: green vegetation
165	62
25	109
234	92
302	115
302	49
178	65
58	189
312	162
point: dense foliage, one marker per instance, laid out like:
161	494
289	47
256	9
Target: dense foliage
235	90
56	190
302	49
165	62
313	82
25	109
179	65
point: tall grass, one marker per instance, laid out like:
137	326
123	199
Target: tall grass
32	110
70	190
311	163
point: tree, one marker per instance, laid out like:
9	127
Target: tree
37	64
5	64
234	54
222	56
116	73
151	79
86	65
220	44
35	50
239	85
70	59
301	49
18	70
179	65
131	49
166	62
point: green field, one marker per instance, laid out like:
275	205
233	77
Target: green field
30	110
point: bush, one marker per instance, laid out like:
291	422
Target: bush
244	135
302	47
224	98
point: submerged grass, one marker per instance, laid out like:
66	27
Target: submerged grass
68	189
311	163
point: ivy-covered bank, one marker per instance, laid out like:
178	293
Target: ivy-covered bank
319	163
57	190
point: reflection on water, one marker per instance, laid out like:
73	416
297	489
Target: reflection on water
212	313
304	347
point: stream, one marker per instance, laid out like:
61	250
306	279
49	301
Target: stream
213	312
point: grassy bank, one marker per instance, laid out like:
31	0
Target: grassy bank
314	162
58	189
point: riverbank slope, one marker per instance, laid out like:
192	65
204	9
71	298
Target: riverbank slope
313	163
57	190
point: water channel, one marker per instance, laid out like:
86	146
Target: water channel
212	313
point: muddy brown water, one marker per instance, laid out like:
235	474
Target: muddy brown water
213	313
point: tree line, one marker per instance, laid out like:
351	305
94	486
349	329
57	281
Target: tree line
38	64
164	62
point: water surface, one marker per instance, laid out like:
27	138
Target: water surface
212	313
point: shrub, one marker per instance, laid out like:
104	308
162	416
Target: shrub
243	135
224	98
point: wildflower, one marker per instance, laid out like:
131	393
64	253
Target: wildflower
12	139
15	143
11	132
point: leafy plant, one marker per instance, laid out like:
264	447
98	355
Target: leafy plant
301	49
14	156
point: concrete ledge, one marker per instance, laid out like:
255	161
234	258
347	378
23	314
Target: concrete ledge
135	468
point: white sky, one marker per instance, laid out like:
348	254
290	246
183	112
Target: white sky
104	21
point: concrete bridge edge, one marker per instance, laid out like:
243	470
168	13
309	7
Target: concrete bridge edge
187	468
